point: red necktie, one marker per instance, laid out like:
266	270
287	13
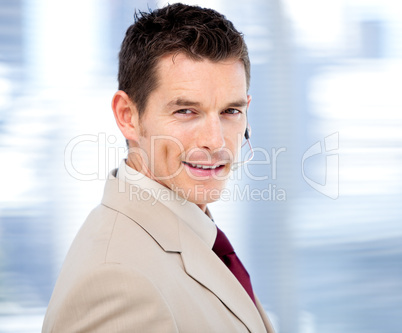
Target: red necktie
224	250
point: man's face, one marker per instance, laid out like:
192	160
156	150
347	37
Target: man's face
192	128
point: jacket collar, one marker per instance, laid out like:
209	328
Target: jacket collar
146	210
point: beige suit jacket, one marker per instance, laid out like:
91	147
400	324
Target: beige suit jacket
135	266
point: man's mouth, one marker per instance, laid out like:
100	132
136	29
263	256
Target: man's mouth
203	166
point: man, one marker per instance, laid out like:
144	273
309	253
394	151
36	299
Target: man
150	258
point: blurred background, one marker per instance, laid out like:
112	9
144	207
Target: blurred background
322	234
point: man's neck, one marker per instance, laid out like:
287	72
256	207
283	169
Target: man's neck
203	207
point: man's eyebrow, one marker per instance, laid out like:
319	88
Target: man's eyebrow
241	103
181	102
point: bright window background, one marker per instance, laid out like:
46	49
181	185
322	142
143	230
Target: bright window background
322	237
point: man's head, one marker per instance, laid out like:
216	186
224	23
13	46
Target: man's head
199	33
182	104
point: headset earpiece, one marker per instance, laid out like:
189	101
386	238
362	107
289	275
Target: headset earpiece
246	134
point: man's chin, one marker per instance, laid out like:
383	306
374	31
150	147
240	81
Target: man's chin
200	195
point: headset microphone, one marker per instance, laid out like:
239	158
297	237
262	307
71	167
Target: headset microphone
247	135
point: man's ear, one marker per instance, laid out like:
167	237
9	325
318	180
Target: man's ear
126	115
248	101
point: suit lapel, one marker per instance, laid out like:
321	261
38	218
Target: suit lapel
204	266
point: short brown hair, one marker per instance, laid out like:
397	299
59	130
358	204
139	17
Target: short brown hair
198	32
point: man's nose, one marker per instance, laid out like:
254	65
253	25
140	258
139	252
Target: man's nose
211	135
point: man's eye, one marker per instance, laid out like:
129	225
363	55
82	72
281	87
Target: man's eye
232	111
184	111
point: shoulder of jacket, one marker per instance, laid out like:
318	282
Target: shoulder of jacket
109	297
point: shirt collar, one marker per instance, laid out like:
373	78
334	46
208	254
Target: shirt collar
201	223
